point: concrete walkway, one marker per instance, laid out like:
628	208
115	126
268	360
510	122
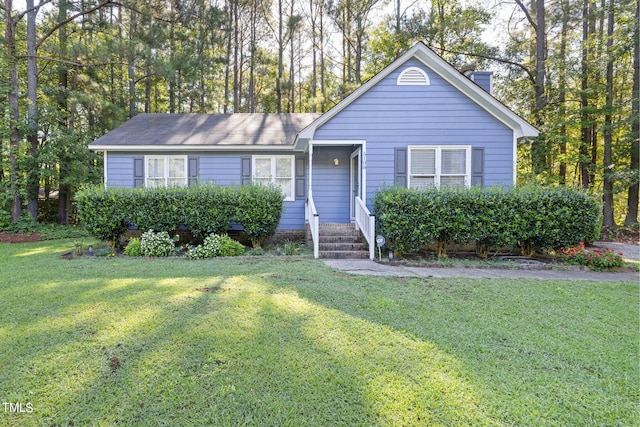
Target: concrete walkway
367	267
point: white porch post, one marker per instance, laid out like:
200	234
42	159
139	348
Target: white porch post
363	184
310	193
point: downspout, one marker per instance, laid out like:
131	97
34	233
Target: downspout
515	159
104	164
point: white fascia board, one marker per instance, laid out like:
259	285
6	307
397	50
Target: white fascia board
250	148
338	142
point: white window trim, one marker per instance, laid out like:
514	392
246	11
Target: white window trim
273	159
165	159
438	160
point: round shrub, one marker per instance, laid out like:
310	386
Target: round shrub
230	247
134	247
157	244
215	245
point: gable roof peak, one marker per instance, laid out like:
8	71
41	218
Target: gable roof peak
449	73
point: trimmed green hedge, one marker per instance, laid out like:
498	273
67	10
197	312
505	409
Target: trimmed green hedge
206	209
534	218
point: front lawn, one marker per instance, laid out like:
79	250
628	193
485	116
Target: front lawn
286	341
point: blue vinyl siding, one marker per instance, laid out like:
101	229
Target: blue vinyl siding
293	216
219	168
119	170
390	116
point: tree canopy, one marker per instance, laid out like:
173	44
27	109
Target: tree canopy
72	70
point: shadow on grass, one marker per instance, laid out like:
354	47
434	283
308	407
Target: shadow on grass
281	342
172	342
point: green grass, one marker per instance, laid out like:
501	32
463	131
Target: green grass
263	341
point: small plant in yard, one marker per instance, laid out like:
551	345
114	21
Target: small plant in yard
290	248
157	244
230	247
78	247
134	247
104	252
255	252
597	260
215	245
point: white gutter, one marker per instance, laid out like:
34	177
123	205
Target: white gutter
183	147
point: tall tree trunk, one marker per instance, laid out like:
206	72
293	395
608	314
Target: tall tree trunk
131	71
607	197
227	69
14	110
586	126
33	172
147	86
251	97
172	57
634	160
292	67
64	190
562	97
280	57
236	59
357	72
314	64
347	41
323	92
537	21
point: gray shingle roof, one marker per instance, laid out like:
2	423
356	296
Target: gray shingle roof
208	129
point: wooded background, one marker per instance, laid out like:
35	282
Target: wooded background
71	70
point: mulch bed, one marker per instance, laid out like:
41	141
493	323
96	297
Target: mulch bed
19	237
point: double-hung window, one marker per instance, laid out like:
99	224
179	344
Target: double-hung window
165	171
439	166
276	170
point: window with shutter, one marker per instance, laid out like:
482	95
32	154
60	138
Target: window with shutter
166	171
439	166
277	170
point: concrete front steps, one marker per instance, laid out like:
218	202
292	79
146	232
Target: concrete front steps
342	241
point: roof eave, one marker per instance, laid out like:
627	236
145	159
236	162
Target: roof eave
148	148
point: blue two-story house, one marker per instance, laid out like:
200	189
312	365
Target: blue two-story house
418	123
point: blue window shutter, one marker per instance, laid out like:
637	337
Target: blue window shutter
192	171
138	171
477	166
400	167
245	173
301	178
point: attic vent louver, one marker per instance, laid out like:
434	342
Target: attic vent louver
413	76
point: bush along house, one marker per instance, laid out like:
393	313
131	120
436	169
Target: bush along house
417	123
